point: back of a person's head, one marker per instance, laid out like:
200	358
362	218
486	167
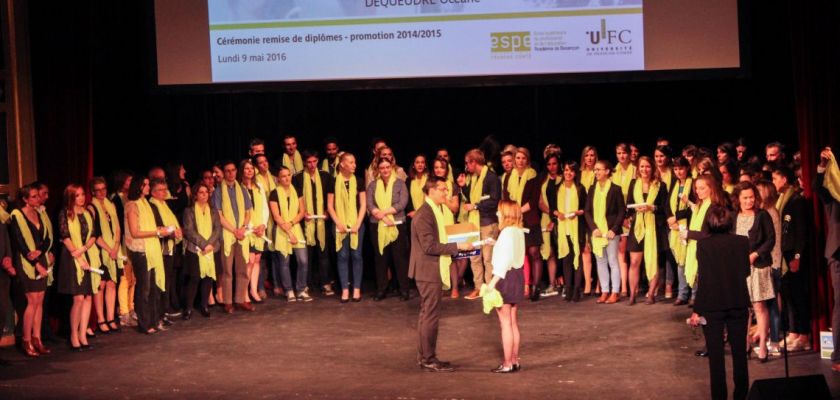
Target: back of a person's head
719	219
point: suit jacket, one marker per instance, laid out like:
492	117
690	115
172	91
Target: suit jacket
723	265
794	225
426	248
615	208
191	236
762	237
832	218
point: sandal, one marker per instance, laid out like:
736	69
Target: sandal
107	329
113	325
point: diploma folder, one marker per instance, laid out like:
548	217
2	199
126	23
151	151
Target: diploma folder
464	232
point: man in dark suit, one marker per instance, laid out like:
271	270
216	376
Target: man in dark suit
723	265
424	268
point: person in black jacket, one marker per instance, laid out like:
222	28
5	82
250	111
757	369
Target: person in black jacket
755	223
723	267
567	218
795	298
605	237
650	195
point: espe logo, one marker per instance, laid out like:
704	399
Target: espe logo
609	36
508	42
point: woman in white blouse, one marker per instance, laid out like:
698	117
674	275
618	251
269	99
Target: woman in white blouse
508	279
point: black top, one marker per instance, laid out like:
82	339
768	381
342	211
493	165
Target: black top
794	224
5	243
762	238
531	196
164	242
178	200
64	229
327	185
551	195
41	243
582	196
360	188
615	208
723	265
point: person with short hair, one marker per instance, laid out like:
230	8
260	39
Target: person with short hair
166	218
234	206
482	193
312	186
202	238
291	156
330	162
110	248
387	198
347	203
287	210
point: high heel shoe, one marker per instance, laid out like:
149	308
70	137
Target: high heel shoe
105	324
29	349
39	347
114	325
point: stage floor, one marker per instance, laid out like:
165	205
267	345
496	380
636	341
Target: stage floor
367	350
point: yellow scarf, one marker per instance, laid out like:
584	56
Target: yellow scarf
691	251
383	197
314	206
476	186
23	226
783	200
289	204
545	219
516	183
227	211
644	227
325	166
204	226
259	202
831	181
346	209
623	178
441	219
48	229
154	253
570	225
4	215
675	243
667	177
728	188
294	163
267	184
169	220
587	178
75	228
599	213
108	224
416	191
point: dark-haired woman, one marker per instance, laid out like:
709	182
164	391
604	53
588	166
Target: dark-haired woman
625	172
588	158
605	216
110	250
79	256
678	212
754	223
125	292
523	189
549	223
32	243
442	169
570	202
648	235
387	198
202	231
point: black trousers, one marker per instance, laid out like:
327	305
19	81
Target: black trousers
166	297
320	265
427	322
194	283
146	293
395	254
735	322
572	278
796	298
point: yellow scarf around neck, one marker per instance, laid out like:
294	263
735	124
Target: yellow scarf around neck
267	182
347	209
783	200
258	214
383	197
169	220
108	225
74	225
4	215
315	228
28	268
517	181
696	225
288	202
476	186
644	227
675	243
227	210
599	213
325	166
667	177
293	163
622	178
587	178
567	224
151	245
545	219
441	219
204	226
416	191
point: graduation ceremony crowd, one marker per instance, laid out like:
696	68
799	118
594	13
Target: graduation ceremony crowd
619	225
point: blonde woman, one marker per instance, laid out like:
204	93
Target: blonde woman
588	158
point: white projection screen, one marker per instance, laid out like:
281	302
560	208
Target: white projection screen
205	42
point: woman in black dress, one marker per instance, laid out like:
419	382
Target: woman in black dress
32	243
79	255
648	232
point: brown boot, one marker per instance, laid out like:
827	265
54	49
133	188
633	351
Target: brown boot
36	343
613	299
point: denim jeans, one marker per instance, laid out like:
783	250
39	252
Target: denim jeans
283	273
344	257
773	306
609	275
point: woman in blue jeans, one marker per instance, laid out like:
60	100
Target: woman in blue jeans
346	204
287	210
604	215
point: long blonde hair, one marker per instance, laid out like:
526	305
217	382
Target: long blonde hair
509	214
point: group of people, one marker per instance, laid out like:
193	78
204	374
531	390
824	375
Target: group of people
157	248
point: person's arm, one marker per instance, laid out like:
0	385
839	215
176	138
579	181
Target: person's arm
402	200
491	188
191	232
429	242
370	201
301	211
589	209
340	225
799	215
768	235
362	209
617	202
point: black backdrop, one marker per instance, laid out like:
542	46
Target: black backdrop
92	76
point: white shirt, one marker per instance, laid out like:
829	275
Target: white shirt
509	251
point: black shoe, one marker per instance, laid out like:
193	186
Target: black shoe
437	366
501	369
517	367
701	353
405	296
167	322
187	315
205	312
379	296
535	293
344	301
86	347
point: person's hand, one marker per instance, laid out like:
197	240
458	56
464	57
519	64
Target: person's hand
672	221
307	216
354	229
240	233
469	207
560	216
84	264
825	155
610	235
626	223
465	246
286	226
684	198
260	231
292	238
78	252
550	226
51	258
41	270
644	208
411	214
587	248
6	262
596	233
179	234
33	255
461	180
114	253
162	231
794	265
753	257
694	320
208	249
578	213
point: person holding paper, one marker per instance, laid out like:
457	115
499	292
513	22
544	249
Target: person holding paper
287	210
347	205
442	169
258	226
33	259
482	193
678	211
79	256
429	267
646	200
234	206
313	186
165	217
605	215
548	220
387	198
202	237
110	249
570	200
